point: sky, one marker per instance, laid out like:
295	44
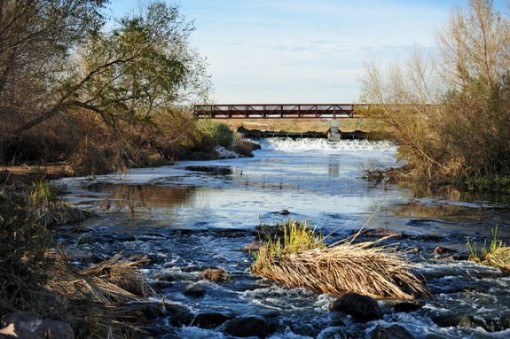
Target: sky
304	51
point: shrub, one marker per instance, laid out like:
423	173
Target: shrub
220	133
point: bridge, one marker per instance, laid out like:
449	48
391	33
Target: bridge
278	111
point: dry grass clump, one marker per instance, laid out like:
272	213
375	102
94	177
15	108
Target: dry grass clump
496	253
362	268
112	281
99	297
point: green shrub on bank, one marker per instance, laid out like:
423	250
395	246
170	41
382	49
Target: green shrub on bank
219	133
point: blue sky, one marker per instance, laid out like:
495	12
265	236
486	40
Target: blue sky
304	51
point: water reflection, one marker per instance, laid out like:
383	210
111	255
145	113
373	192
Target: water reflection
334	167
122	197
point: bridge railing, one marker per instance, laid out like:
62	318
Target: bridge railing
276	111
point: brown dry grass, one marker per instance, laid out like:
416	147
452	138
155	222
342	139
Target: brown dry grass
363	268
109	282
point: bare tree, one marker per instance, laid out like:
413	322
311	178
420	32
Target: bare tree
475	45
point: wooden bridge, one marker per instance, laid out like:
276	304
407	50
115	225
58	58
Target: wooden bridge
278	111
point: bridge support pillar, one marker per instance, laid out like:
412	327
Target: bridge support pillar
334	132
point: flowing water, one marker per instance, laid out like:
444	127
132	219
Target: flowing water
196	215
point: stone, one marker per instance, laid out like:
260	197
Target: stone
253	246
210	320
179	315
391	332
216	275
194	290
440	250
407	307
460	320
381	232
32	327
361	307
248	326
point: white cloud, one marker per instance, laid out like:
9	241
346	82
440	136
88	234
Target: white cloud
302	50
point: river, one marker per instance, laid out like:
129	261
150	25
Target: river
200	214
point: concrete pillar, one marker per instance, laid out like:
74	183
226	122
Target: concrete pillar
334	131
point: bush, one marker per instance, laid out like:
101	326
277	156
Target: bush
219	133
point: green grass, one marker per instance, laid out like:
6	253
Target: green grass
41	193
291	237
495	253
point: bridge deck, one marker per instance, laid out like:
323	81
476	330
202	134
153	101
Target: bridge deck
277	111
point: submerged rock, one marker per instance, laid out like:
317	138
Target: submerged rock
195	290
210	320
382	232
460	320
248	326
391	332
361	307
407	307
253	246
179	315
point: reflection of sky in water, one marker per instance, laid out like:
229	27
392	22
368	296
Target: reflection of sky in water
310	178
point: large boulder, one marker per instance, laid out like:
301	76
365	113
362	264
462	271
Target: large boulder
361	307
248	326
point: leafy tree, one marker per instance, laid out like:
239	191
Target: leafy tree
123	75
36	39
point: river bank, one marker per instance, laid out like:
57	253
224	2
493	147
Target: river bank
187	220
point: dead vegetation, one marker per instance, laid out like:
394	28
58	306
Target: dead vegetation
365	268
37	279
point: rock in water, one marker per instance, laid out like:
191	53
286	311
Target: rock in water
210	319
361	307
391	332
248	326
216	275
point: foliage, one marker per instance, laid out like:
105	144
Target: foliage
496	253
300	258
94	84
290	237
451	115
218	132
37	37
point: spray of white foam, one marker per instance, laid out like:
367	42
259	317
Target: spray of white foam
224	153
288	145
